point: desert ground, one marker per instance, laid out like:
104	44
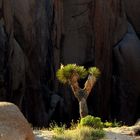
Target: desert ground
117	133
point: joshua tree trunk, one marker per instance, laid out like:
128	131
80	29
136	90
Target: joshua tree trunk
82	94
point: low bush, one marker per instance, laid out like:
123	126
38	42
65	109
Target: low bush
112	124
80	133
88	128
91	121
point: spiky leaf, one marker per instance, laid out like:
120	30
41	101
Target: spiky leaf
94	71
81	71
64	73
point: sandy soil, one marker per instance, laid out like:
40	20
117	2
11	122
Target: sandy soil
120	133
43	134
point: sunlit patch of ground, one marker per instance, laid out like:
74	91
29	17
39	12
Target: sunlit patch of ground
117	133
43	134
120	133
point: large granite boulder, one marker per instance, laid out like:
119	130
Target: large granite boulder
13	125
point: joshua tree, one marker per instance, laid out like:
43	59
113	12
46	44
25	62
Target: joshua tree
70	74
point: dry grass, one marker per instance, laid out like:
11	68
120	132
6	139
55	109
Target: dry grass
80	133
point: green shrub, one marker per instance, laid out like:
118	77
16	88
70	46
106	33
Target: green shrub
88	133
98	134
108	124
91	121
112	124
81	133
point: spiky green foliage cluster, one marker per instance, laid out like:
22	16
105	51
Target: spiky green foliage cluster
94	71
64	73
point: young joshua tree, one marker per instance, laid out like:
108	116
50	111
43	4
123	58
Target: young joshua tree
70	74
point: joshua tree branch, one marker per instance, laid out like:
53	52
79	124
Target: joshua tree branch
74	83
89	84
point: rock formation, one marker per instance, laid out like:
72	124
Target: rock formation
133	11
126	75
36	36
13	125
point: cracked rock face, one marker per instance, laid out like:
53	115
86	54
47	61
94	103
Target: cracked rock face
127	75
78	34
36	36
133	11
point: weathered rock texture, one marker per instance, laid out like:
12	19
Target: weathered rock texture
133	12
36	36
109	27
25	35
90	31
13	125
127	76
